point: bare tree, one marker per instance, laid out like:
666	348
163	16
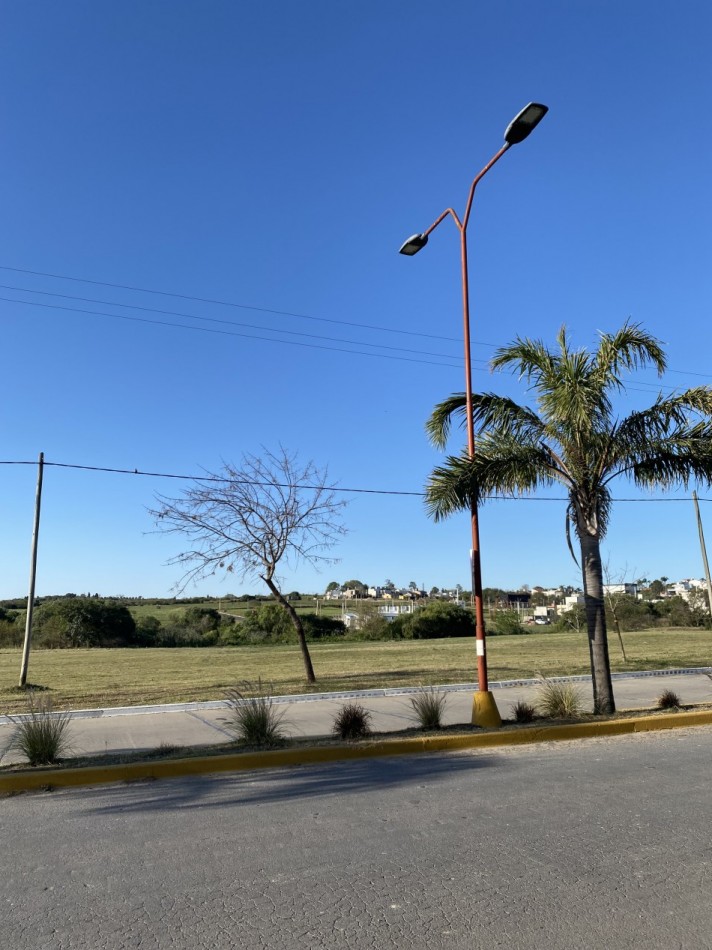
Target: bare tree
271	511
614	598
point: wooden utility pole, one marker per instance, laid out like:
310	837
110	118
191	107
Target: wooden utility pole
704	551
33	572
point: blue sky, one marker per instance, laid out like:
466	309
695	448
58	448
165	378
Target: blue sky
275	155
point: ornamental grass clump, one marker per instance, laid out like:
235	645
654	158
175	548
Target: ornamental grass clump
429	707
252	718
668	699
559	700
41	734
352	721
523	711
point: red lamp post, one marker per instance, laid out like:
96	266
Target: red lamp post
484	707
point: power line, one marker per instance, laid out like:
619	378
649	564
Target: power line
228	303
241	306
247	336
193	316
334	488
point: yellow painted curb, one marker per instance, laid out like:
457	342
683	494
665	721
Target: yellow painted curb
28	780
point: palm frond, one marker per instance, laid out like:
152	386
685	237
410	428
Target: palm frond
569	519
499	412
501	466
529	358
628	349
568	391
675	460
440	421
669	422
675	410
489	411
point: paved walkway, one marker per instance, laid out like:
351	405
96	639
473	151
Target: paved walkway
145	728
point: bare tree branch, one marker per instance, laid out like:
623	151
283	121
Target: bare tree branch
273	510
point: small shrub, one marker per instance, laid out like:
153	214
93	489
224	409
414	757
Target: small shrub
508	623
352	722
253	719
41	735
668	700
436	620
559	700
318	627
523	711
429	707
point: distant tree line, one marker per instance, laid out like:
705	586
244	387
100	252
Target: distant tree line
69	622
78	621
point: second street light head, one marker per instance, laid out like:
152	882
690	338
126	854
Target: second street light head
415	243
522	124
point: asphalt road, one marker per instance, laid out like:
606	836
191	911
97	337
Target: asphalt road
590	844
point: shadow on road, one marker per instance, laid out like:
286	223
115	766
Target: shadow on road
274	786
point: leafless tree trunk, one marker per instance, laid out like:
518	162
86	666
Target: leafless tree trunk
613	600
298	626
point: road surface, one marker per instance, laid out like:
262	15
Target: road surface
591	844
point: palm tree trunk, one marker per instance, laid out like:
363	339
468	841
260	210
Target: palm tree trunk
592	568
298	626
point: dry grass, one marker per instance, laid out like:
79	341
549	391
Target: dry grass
559	700
429	707
82	679
41	734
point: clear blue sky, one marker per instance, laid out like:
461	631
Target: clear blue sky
276	155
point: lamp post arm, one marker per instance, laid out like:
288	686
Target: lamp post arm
474	184
446	212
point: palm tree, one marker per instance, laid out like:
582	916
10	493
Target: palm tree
574	438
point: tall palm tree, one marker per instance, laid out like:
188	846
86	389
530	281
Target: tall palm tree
574	438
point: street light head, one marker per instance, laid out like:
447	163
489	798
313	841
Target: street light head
414	244
522	124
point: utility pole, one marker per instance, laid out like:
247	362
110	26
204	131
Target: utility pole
33	573
704	551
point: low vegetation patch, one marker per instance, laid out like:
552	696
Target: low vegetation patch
41	734
253	718
352	721
668	700
429	707
523	712
559	700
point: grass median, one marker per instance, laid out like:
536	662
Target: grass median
83	679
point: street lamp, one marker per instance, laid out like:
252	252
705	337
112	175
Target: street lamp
484	707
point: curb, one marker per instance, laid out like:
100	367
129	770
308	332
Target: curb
26	780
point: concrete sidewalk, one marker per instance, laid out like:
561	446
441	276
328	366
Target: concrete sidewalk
129	729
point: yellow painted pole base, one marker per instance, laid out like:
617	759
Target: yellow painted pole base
484	711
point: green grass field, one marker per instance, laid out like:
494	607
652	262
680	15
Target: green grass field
167	612
101	678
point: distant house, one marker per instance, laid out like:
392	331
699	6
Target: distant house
630	589
390	611
519	598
